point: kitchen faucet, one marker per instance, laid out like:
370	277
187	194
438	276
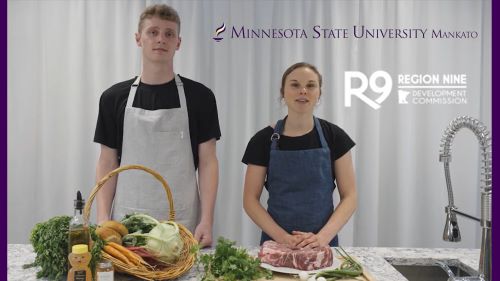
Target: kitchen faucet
451	231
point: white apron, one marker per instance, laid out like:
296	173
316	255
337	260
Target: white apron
160	140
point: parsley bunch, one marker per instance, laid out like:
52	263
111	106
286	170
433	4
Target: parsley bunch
229	263
50	243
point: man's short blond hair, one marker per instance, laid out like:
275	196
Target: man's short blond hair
162	11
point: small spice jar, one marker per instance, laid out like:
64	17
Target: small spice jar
104	271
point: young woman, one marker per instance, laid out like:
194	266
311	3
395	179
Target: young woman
299	160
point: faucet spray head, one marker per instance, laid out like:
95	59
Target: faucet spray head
451	231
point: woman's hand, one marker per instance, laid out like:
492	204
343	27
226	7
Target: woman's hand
291	240
310	240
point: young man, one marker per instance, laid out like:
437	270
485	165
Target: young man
165	122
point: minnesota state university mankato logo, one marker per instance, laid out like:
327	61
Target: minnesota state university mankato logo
218	31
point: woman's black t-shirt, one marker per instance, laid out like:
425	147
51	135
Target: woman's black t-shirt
259	147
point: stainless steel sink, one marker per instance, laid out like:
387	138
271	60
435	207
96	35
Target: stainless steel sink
428	272
434	270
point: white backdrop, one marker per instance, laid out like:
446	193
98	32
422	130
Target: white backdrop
63	54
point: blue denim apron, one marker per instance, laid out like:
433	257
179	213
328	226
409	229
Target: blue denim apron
300	186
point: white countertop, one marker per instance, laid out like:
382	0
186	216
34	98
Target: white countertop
374	259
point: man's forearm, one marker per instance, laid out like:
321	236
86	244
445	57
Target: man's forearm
106	194
208	173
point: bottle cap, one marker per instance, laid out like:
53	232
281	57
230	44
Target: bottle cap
79	202
80	249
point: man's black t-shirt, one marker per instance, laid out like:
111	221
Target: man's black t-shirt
200	101
259	147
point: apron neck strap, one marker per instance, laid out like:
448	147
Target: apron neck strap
133	90
320	132
178	82
136	81
278	130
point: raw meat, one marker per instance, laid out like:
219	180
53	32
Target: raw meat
280	255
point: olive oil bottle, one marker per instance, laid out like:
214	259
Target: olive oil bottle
78	227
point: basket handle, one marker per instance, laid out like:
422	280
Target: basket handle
101	182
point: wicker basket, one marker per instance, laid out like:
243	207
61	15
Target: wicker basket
185	261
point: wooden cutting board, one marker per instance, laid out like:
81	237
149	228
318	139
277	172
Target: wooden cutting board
367	276
289	277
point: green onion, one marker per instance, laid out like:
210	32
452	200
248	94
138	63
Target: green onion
348	269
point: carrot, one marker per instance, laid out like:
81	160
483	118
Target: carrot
131	256
117	254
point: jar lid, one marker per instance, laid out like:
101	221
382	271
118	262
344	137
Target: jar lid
80	249
104	263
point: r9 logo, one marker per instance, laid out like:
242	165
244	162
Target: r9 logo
384	90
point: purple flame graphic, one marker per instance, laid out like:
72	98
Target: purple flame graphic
218	31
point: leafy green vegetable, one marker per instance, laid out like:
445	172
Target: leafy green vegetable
50	242
161	239
95	252
229	263
348	269
137	222
167	241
